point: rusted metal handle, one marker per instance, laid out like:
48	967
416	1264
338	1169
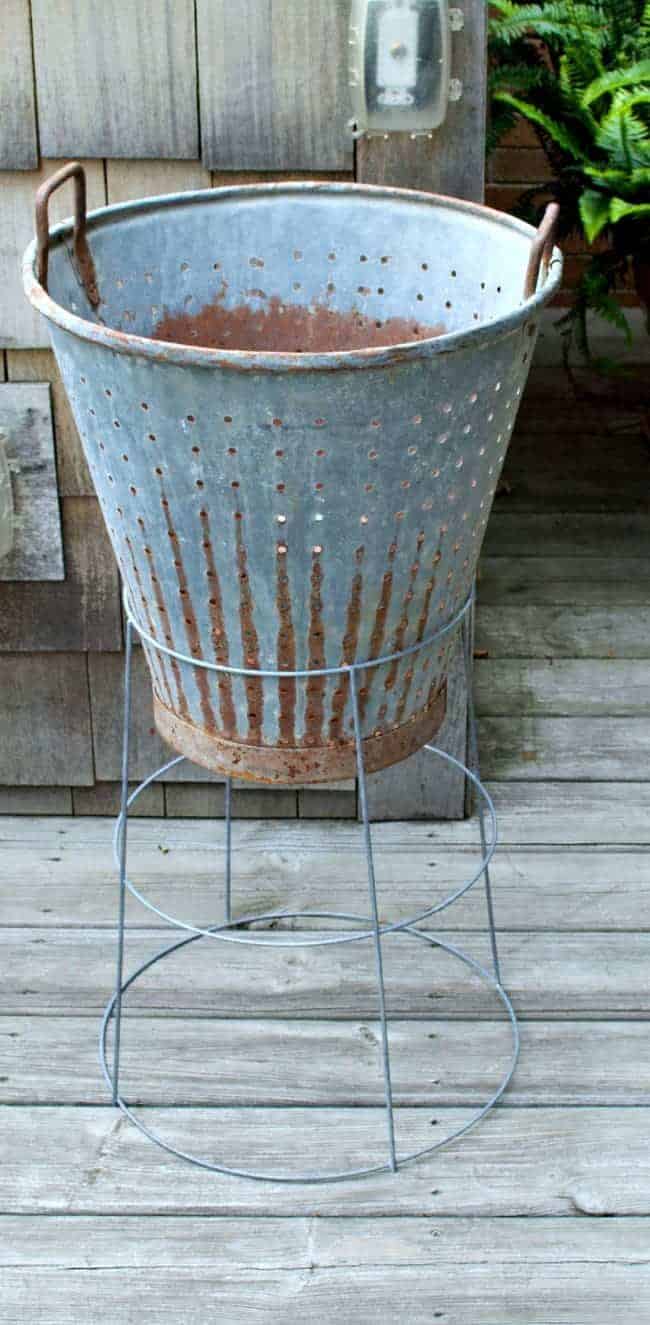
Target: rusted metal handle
85	265
542	247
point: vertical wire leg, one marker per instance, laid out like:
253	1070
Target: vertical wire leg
363	801
473	757
124	812
228	813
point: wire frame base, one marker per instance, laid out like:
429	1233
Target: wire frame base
360	929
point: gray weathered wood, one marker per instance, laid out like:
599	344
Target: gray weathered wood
104	799
26	418
288	1296
533	631
598	749
550	889
44	720
40	366
35	800
552	687
453	161
273	80
20	324
270	1243
146	179
589	581
116	81
550	1162
199	800
565	534
18	139
50	1059
81	612
319	804
550	976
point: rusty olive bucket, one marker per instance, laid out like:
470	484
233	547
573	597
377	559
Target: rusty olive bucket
295	401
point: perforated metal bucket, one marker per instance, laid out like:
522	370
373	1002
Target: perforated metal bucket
295	402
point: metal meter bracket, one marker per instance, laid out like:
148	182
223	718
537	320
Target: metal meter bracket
400	65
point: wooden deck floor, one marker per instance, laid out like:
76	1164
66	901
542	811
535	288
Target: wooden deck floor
267	1054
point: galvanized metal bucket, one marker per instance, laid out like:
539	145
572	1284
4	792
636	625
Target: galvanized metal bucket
295	402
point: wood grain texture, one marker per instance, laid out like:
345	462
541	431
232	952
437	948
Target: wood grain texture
597	749
147	179
543	889
201	800
533	631
287	1296
44	737
453	161
95	64
18	135
564	581
83	611
41	366
21	327
562	533
551	687
273	79
434	1063
559	1162
35	800
26	418
549	976
104	800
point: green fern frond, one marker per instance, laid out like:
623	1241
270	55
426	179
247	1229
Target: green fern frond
616	78
558	132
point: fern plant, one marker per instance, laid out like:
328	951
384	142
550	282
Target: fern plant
579	72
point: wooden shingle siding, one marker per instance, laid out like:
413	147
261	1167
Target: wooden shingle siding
273	84
126	180
26	417
116	79
45	736
18	137
41	366
20	324
81	612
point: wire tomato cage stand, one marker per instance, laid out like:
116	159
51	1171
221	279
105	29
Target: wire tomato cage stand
364	929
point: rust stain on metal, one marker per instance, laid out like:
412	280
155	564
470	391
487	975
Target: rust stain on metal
191	628
183	705
286	651
160	673
219	636
266	763
279	327
400	637
349	651
377	637
250	642
315	687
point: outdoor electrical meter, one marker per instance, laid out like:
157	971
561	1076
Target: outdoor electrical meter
400	64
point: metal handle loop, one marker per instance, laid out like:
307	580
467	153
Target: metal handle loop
86	268
541	247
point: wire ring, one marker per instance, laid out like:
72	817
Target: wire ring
224	933
291	1179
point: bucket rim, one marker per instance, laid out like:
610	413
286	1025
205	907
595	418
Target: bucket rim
171	352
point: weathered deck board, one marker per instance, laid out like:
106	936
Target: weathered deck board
91	1160
435	1063
548	889
548	976
288	1296
533	631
